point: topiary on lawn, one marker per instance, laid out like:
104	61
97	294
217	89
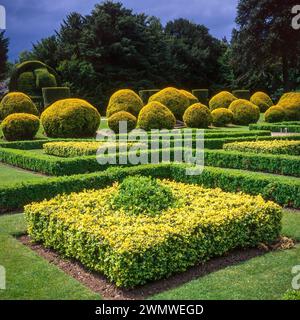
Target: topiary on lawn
114	120
142	195
262	100
275	114
221	100
173	99
190	96
290	102
244	112
20	126
221	117
16	102
156	116
197	116
124	100
70	118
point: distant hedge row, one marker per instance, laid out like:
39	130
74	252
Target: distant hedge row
283	190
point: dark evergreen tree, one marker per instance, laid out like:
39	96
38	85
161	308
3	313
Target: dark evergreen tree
3	55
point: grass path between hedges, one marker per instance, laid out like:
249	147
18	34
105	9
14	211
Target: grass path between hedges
29	276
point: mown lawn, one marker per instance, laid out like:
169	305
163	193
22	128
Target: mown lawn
11	175
31	277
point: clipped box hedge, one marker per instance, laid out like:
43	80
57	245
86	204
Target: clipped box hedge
134	249
291	127
283	190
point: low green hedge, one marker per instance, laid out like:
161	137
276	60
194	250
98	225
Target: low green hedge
283	190
132	249
292	127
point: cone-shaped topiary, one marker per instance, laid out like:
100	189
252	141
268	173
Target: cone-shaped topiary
244	112
122	116
275	114
70	118
290	102
190	96
16	102
20	126
197	116
262	100
221	100
124	100
221	117
156	116
173	99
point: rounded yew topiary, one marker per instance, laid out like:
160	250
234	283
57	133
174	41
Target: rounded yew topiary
244	112
190	96
197	116
262	100
122	116
221	117
173	99
124	100
290	102
70	118
275	114
20	126
221	100
156	116
16	102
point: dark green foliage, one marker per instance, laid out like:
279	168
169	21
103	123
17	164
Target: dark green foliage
202	95
242	94
146	94
142	195
27	83
277	127
282	190
51	95
3	55
44	78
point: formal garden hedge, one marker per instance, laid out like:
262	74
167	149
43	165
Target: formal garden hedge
285	126
283	190
132	248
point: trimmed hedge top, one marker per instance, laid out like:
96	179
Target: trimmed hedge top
244	112
290	102
190	96
262	100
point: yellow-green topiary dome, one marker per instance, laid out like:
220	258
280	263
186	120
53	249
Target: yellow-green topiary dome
197	116
156	116
262	100
124	100
290	102
190	96
244	112
221	100
114	121
70	118
16	102
20	126
275	114
221	117
173	99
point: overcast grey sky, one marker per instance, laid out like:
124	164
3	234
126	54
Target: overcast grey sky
31	20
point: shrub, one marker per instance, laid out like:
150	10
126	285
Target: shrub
20	126
156	116
124	100
197	116
134	249
16	102
221	117
70	118
190	96
275	147
146	94
142	195
242	94
286	126
244	112
292	295
116	118
173	99
202	95
26	83
53	94
262	100
44	78
290	102
275	114
221	100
